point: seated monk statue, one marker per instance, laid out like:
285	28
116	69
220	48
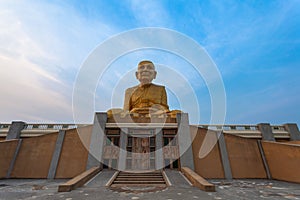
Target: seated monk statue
145	98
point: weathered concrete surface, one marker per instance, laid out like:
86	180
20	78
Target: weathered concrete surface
15	129
283	160
266	131
209	166
248	189
293	131
97	141
56	154
34	157
184	141
79	180
8	149
14	158
122	151
253	189
197	180
74	155
159	158
224	155
292	142
245	158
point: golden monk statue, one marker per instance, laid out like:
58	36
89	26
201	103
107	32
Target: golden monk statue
146	97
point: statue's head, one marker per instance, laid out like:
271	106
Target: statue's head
145	72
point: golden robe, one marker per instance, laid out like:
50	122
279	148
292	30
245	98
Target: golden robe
147	96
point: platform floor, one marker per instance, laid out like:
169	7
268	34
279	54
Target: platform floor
180	189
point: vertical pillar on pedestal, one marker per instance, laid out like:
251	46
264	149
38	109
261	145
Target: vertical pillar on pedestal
97	141
266	131
159	160
15	129
123	151
184	141
56	154
293	131
263	157
224	156
13	160
14	132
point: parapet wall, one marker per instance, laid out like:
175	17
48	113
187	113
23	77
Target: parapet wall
74	154
209	166
7	149
245	157
34	155
243	154
283	160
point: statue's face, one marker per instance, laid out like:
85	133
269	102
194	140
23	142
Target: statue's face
145	73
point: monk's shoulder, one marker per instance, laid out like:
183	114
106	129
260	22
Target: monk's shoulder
131	89
161	87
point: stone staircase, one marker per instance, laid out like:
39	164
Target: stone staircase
139	179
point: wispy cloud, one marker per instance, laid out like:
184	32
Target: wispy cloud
237	33
43	44
150	13
40	43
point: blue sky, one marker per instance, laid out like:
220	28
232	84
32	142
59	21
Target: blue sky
255	45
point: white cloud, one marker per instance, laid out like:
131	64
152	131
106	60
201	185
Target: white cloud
38	42
25	94
150	13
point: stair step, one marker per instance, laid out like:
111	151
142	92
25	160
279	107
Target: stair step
141	176
138	173
139	182
141	172
138	185
137	179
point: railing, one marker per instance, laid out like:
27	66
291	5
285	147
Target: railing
247	130
44	126
32	130
230	127
238	127
226	127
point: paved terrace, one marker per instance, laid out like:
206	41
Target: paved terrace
180	189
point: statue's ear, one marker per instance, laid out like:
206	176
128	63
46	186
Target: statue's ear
136	75
154	76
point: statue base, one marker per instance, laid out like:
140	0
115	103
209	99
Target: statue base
141	118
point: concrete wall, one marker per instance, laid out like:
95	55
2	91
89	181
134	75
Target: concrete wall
211	165
34	157
283	160
293	142
74	154
243	154
7	149
244	157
